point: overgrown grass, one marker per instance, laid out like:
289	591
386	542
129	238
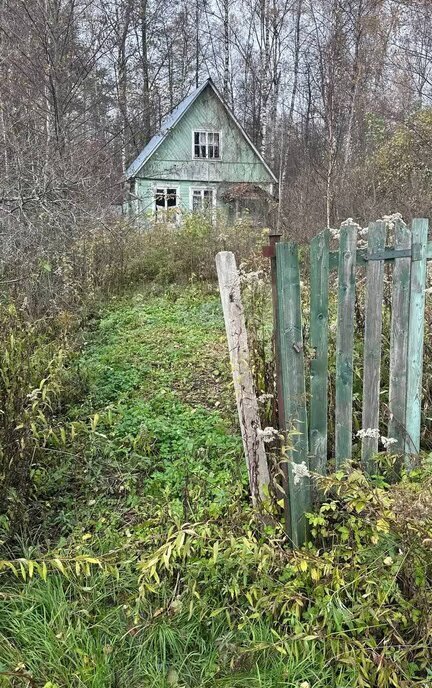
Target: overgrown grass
205	594
81	636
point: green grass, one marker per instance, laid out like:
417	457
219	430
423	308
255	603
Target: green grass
81	637
230	605
156	373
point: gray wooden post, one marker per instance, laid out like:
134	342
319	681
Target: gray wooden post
247	405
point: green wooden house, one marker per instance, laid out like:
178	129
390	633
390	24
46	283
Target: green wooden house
200	160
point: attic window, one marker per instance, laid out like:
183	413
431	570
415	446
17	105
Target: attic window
206	144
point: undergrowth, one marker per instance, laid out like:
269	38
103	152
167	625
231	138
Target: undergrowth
142	562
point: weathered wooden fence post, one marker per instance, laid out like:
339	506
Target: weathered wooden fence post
270	252
319	294
416	336
400	305
345	342
290	346
247	406
372	339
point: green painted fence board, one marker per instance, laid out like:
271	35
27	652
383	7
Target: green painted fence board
344	342
361	256
399	340
319	288
372	342
293	382
416	338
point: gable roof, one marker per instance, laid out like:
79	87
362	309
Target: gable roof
170	121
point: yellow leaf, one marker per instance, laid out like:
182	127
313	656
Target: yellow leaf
303	566
59	565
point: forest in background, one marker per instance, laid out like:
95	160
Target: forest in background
336	93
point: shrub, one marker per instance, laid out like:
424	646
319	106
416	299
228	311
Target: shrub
32	373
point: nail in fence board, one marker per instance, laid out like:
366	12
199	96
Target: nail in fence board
400	305
416	336
247	405
319	290
293	383
372	341
344	342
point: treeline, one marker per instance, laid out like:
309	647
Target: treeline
335	92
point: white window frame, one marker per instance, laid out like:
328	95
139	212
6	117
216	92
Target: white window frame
207	132
166	209
202	189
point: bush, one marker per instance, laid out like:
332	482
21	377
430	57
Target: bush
31	383
114	257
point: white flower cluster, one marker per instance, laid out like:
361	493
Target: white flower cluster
300	471
268	434
374	433
335	233
391	219
350	221
388	441
265	397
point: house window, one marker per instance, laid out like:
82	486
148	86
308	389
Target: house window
202	199
207	144
165	198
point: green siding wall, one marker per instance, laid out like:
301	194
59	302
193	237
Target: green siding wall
145	189
173	159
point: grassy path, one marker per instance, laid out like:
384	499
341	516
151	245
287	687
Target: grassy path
158	367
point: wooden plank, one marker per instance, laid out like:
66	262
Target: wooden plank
293	384
372	342
416	338
360	259
319	286
361	256
344	342
399	341
247	405
274	238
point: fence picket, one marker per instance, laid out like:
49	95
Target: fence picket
400	304
416	336
319	287
344	342
293	382
372	341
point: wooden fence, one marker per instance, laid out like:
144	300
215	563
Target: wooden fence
306	418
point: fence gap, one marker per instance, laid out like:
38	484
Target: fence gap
319	290
400	306
372	340
290	346
416	337
345	342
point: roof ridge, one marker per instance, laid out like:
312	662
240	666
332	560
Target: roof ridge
172	118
